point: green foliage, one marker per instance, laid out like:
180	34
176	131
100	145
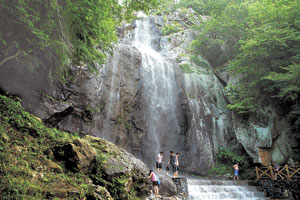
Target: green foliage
225	161
170	29
206	7
38	34
24	163
30	167
259	41
186	68
92	26
229	157
199	61
269	58
31	36
288	85
97	173
88	25
117	188
116	185
220	34
220	169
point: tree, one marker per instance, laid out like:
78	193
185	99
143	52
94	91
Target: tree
26	27
219	35
270	47
47	32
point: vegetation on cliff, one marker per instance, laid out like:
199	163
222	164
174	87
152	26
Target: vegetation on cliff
225	161
43	34
259	40
37	162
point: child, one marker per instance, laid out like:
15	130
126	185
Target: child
155	182
276	170
236	171
167	169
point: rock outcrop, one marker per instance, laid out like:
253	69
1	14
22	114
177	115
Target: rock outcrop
56	164
265	136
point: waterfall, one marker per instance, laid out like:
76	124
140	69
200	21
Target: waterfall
160	92
218	189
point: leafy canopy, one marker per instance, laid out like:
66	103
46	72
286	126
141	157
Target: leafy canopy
47	33
259	41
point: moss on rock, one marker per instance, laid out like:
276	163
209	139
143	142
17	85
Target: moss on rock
37	162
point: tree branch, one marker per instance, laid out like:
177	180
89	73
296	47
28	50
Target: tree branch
10	58
298	29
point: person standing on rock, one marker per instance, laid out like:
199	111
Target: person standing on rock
177	163
172	162
236	171
276	170
155	182
159	161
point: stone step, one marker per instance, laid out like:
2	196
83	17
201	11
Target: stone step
191	198
226	195
217	182
222	188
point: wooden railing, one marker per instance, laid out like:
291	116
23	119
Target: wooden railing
284	172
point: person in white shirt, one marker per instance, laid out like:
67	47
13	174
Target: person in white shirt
176	164
159	161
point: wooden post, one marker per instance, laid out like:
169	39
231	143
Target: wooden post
257	174
271	172
288	172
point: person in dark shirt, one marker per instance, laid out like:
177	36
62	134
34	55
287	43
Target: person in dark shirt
172	162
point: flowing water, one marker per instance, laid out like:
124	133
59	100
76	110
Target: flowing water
160	92
218	189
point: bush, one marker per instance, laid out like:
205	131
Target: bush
186	68
170	29
226	159
220	169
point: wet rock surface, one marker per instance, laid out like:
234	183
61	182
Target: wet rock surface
281	189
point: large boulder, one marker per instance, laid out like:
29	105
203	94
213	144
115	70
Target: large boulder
78	155
265	136
120	163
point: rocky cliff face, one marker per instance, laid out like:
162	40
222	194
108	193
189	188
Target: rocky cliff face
151	97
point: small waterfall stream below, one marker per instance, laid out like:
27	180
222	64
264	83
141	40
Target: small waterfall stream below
200	189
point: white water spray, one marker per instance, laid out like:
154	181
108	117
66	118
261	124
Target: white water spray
160	92
218	189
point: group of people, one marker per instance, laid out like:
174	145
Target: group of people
173	163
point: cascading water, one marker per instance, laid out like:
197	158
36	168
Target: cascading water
160	92
218	189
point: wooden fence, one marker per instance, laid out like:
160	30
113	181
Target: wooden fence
284	172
